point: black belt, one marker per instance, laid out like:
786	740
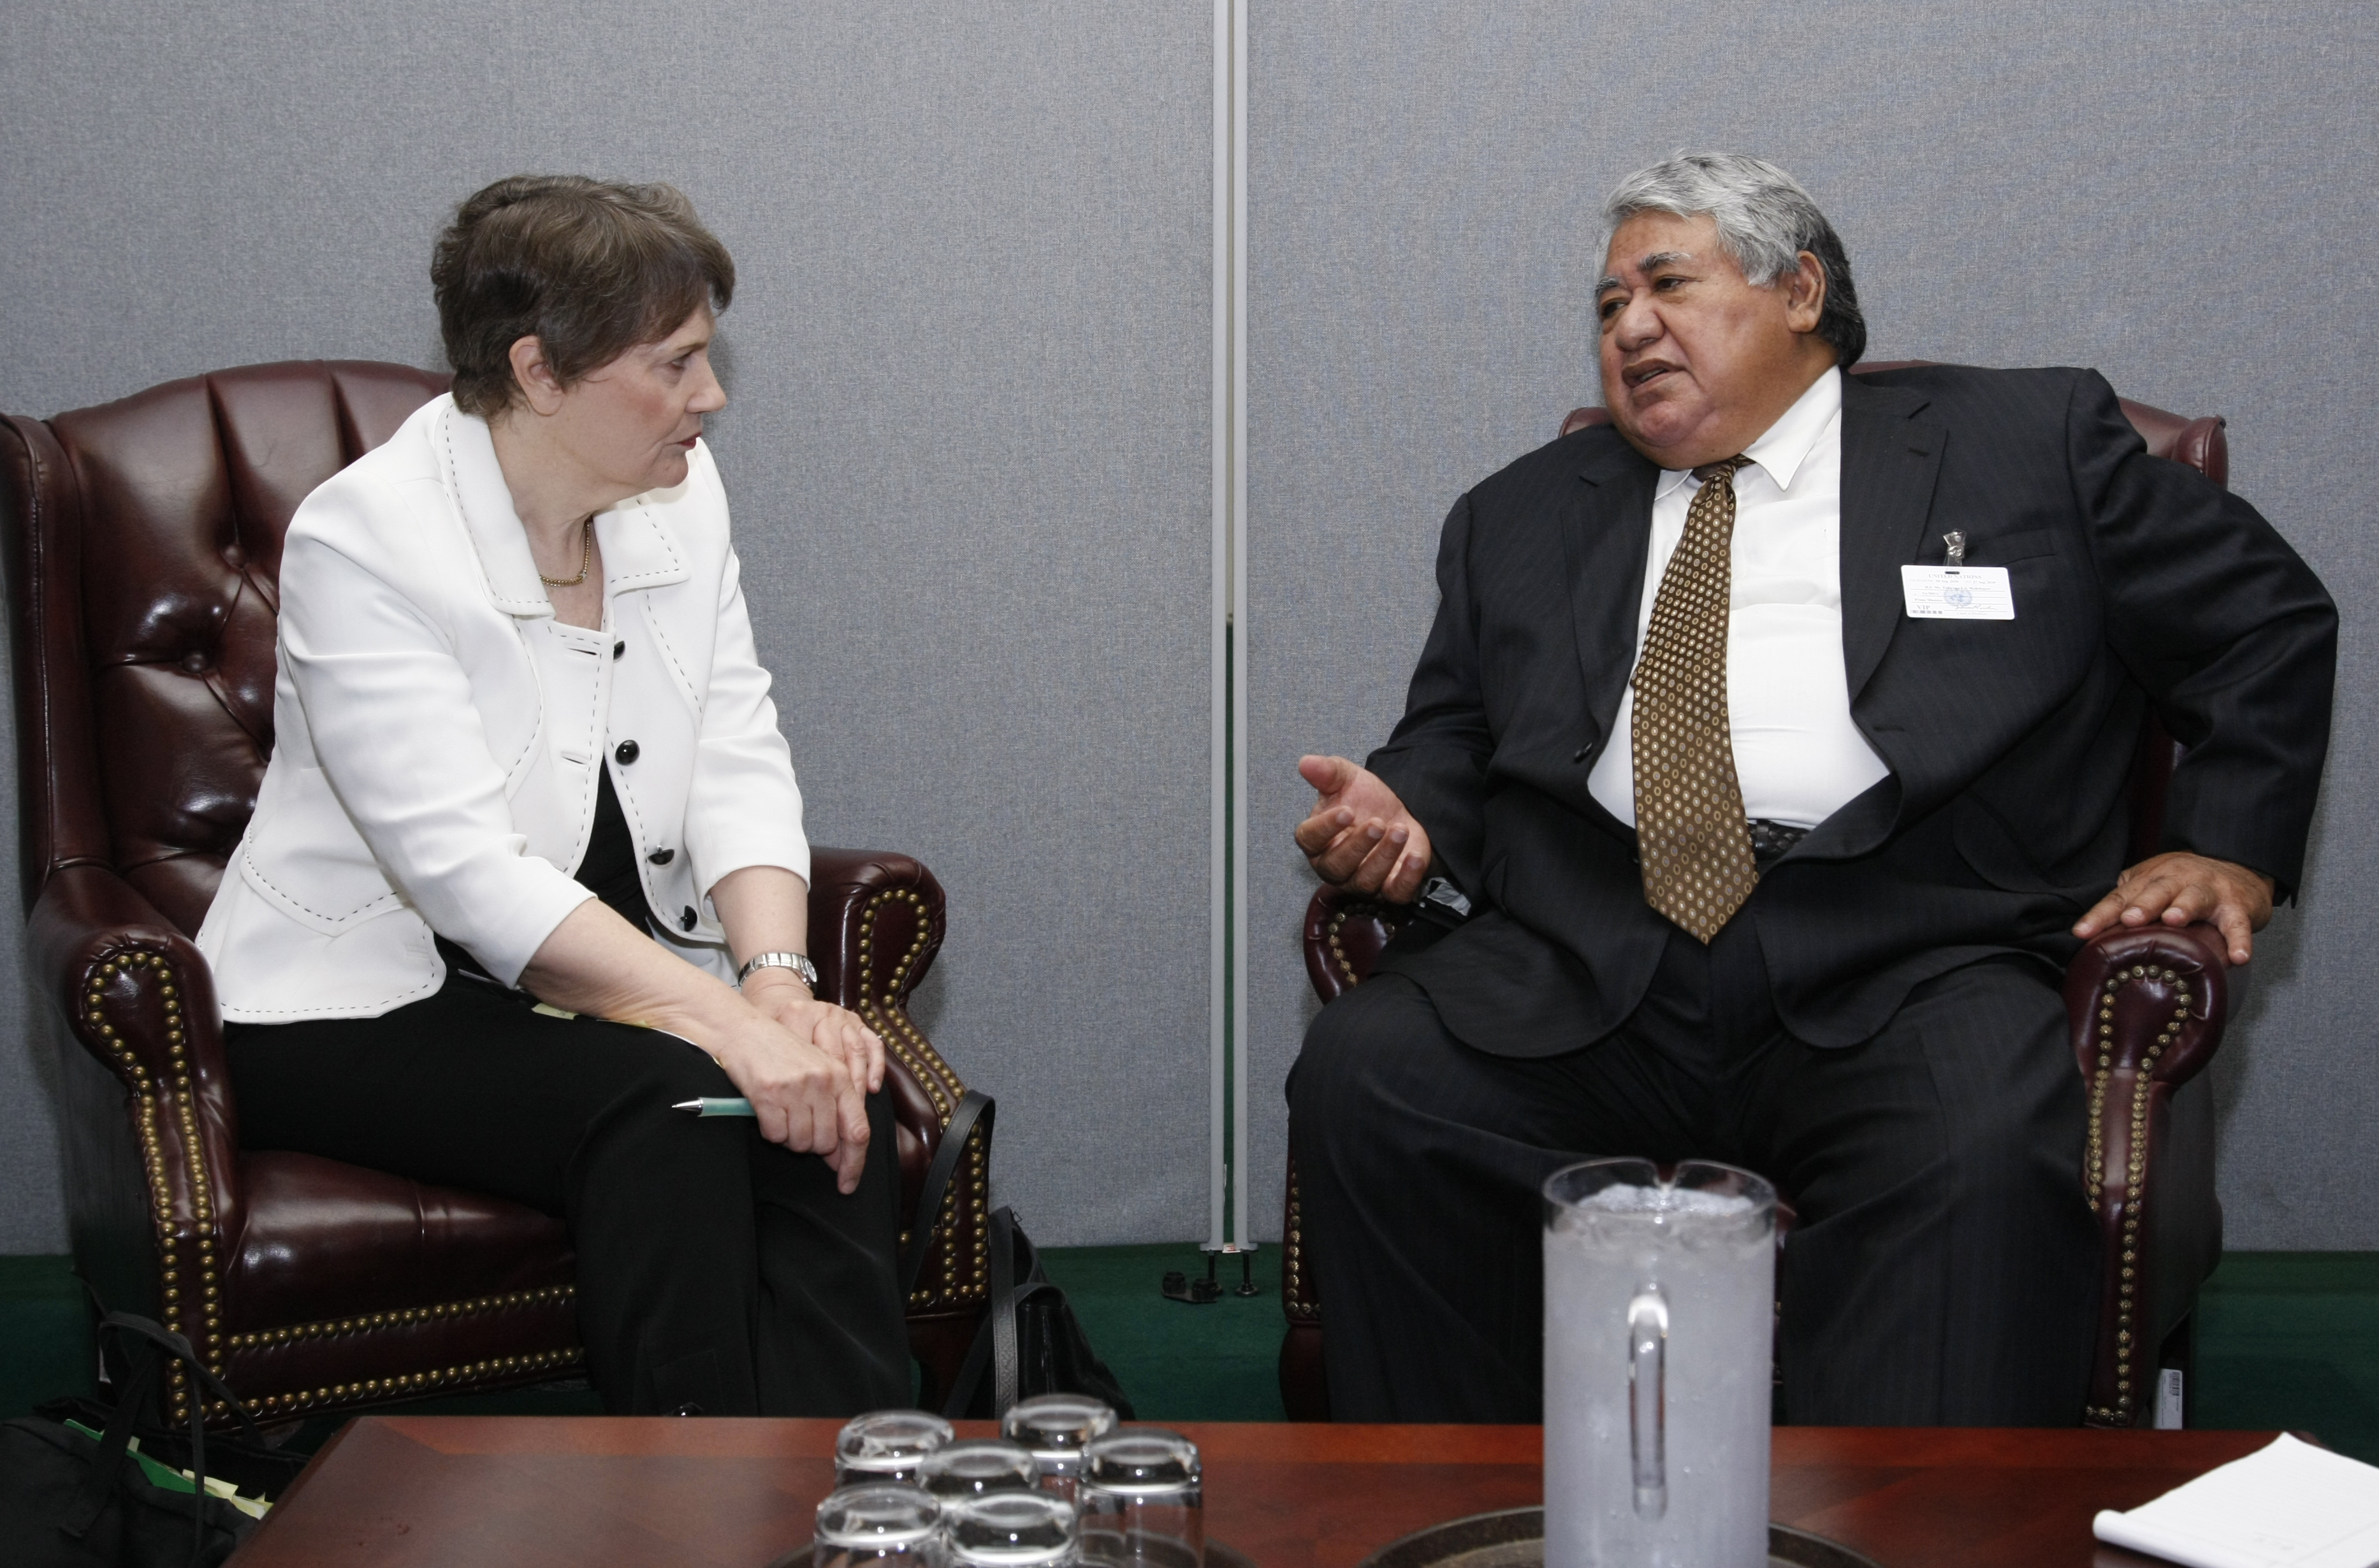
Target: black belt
1444	903
1770	841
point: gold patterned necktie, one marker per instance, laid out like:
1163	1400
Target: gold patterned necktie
1689	826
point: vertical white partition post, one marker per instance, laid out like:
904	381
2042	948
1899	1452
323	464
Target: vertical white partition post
1228	1192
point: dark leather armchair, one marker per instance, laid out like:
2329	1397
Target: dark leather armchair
2147	1010
144	540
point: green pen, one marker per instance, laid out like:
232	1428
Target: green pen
716	1107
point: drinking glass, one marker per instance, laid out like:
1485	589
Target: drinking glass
1057	1427
1011	1529
977	1465
1142	1501
886	1445
899	1526
1660	1319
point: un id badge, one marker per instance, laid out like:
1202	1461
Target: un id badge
1957	593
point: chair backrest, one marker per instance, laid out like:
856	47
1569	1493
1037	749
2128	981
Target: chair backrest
144	553
1343	935
2200	443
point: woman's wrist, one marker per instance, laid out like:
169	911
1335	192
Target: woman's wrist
764	987
715	1016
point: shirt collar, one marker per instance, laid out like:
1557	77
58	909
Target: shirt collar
1788	442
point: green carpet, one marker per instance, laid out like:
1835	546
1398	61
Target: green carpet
2286	1339
2292	1339
1219	1362
45	1347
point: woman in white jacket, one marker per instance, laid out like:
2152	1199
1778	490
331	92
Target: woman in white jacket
527	767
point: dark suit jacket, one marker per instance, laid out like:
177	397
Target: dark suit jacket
2005	815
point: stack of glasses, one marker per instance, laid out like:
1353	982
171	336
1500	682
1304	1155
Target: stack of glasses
1063	1486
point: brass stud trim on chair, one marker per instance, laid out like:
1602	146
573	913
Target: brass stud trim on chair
406	1385
194	1314
1293	1254
1293	1242
2125	1184
881	1005
1368	909
400	1317
1338	918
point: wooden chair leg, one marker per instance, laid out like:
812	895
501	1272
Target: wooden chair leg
2178	1356
941	1345
1304	1382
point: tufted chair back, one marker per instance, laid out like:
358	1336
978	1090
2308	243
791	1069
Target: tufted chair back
160	605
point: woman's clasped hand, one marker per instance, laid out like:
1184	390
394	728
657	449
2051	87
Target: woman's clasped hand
808	1069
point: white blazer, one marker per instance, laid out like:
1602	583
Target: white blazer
435	767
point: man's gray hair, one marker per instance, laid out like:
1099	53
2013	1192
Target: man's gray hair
1765	220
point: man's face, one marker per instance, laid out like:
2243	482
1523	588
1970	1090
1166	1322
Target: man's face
1697	362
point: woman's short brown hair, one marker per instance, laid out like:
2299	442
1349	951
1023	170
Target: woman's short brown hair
588	268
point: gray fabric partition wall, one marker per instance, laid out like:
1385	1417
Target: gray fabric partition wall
2173	193
968	449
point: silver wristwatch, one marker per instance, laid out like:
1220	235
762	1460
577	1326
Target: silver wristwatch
798	962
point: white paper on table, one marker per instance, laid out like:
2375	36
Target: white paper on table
2290	1505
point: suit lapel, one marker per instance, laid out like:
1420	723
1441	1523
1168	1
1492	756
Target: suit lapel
1606	533
1891	458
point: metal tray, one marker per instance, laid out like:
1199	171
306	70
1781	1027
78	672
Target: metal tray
1516	1538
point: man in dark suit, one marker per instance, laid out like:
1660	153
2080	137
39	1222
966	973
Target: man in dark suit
1765	837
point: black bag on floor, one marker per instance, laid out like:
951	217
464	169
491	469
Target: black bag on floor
257	1471
69	1500
1030	1341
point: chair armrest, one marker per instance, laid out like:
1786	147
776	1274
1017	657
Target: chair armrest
135	992
876	920
852	942
1343	933
2148	1008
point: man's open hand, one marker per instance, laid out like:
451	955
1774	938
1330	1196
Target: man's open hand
1360	837
2179	889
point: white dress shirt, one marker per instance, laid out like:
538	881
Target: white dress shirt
1796	753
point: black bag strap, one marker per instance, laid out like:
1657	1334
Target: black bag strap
973	1106
978	1356
106	1474
1003	1311
995	1348
173	1344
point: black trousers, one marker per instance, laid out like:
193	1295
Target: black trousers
715	1269
1944	1268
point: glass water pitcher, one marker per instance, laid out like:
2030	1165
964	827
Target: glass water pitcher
1660	1311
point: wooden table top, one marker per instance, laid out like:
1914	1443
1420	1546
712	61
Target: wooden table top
521	1491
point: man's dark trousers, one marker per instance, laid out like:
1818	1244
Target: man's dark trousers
1944	1268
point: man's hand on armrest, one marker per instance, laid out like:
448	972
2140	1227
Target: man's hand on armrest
1360	837
2181	889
